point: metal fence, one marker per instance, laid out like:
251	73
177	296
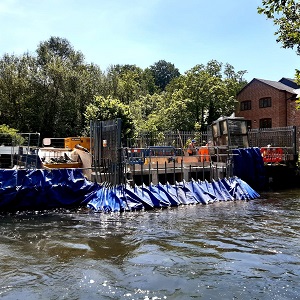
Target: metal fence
19	150
283	137
107	160
176	139
111	160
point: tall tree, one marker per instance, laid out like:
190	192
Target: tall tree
286	16
108	108
128	82
202	95
66	86
163	72
16	90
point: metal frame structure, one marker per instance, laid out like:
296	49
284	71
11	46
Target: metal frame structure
106	148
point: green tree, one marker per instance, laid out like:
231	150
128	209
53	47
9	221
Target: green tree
58	81
163	73
53	93
286	16
65	85
16	73
58	47
197	89
129	82
202	94
9	136
108	109
176	112
142	109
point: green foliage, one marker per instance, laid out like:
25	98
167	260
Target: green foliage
6	129
103	109
15	89
129	82
163	73
144	111
56	93
48	93
67	87
286	16
9	136
203	94
160	138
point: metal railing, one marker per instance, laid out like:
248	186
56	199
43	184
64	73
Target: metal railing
177	139
19	150
284	137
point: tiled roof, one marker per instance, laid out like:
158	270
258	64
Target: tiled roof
290	79
289	82
277	85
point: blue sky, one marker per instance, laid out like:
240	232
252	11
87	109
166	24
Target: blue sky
142	32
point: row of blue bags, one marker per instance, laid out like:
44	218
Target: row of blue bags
67	188
126	198
42	189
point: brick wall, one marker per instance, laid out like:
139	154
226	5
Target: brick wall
293	114
282	112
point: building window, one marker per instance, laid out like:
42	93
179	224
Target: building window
265	102
246	105
265	123
249	124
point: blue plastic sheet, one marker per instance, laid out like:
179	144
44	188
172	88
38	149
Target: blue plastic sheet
183	193
43	189
157	199
198	192
68	188
170	193
249	166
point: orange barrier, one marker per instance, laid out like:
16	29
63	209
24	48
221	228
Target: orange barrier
204	154
272	155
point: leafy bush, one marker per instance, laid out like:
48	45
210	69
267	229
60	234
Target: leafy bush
10	136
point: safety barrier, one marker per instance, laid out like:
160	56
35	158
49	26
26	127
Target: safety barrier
272	154
135	156
43	189
68	188
126	198
248	165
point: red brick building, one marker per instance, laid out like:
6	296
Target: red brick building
269	104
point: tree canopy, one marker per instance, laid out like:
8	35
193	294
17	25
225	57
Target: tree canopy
108	109
286	16
163	73
55	92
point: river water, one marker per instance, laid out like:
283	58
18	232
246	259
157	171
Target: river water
225	250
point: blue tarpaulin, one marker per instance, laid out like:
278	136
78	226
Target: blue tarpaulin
248	165
43	189
67	188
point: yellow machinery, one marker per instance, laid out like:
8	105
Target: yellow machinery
71	142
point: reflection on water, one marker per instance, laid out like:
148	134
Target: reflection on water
226	250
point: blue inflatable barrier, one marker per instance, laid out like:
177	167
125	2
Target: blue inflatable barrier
198	192
248	165
156	198
183	193
226	192
68	188
170	193
43	189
